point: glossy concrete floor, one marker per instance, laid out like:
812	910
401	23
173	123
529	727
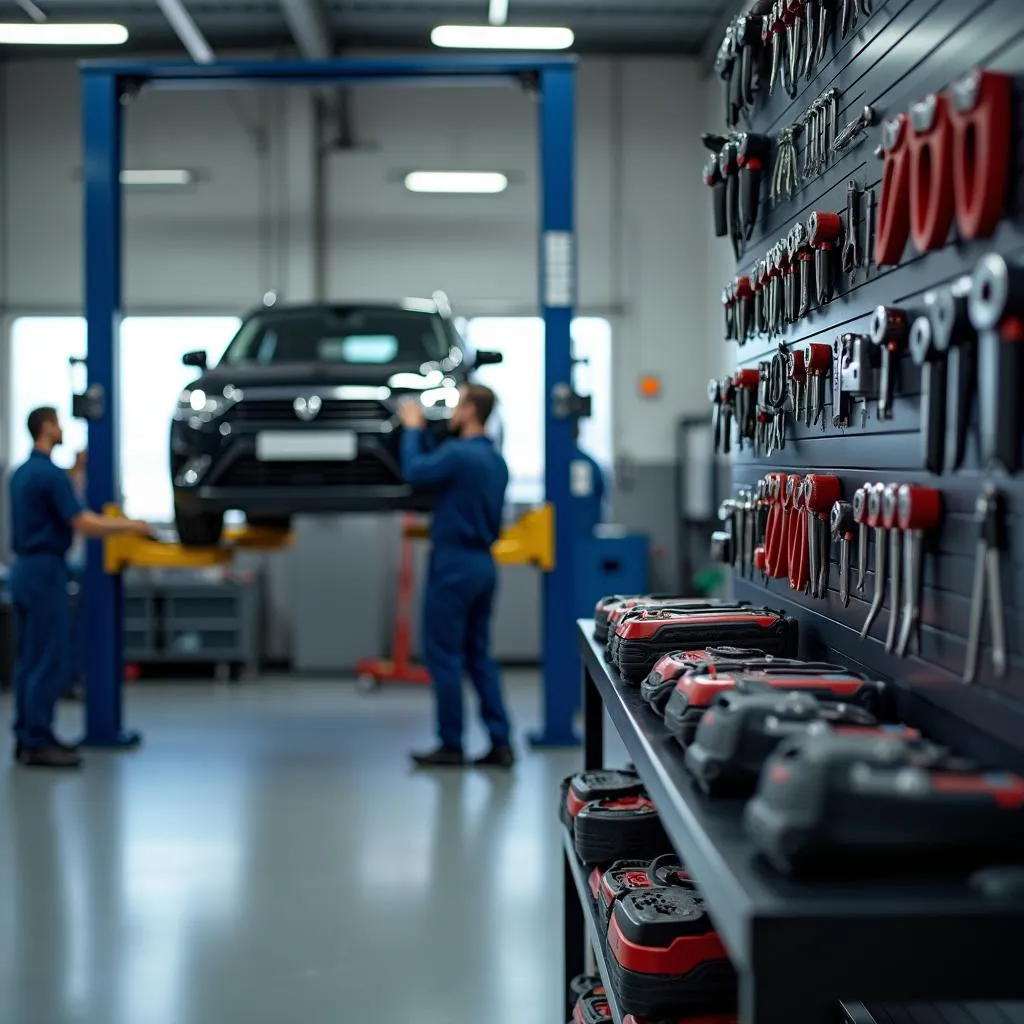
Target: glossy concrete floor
268	856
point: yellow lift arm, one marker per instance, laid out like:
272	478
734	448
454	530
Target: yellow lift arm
530	541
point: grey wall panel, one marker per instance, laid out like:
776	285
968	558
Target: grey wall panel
645	500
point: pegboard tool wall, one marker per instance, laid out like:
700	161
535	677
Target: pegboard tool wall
904	51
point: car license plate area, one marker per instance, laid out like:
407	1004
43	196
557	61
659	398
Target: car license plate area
307	446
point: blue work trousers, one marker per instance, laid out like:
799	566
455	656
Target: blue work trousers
39	590
459	599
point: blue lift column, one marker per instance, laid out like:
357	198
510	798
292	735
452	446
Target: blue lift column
558	295
104	666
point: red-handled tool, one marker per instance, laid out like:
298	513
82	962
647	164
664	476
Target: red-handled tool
824	229
818	362
920	509
820	494
760	284
881	551
751	153
744	292
930	144
890	520
776	550
799	565
981	115
893	227
746	383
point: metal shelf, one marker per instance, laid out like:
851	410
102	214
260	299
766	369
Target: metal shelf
579	876
802	945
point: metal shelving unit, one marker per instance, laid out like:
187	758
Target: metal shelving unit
584	926
802	946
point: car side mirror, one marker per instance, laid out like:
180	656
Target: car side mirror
196	359
485	358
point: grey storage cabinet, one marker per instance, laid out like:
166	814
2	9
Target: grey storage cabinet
194	620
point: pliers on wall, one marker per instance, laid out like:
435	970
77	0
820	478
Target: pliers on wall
852	12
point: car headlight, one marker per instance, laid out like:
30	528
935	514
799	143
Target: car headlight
199	406
440	398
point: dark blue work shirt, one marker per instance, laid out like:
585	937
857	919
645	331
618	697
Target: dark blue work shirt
43	503
470	477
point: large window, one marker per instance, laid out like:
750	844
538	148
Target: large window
519	384
151	377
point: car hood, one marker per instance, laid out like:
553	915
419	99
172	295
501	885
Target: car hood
302	375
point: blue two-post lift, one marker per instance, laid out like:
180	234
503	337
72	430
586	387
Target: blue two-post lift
106	86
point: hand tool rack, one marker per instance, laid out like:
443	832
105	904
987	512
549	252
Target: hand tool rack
800	947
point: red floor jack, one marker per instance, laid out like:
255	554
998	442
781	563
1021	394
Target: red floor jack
399	668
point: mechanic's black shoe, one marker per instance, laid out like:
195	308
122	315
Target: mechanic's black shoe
48	757
443	757
496	757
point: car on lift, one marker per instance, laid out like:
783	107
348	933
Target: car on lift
300	415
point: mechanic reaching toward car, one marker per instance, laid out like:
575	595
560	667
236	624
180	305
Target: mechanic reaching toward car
45	515
470	478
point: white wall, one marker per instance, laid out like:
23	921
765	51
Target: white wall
646	253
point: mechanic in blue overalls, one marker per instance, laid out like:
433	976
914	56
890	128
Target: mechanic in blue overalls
45	515
470	477
586	487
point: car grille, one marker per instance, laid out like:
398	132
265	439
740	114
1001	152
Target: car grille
333	410
250	472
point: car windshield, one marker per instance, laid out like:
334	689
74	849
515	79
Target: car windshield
347	336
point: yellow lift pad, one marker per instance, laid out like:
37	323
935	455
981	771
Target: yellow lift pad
530	541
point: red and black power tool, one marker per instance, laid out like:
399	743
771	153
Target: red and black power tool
623	602
583	988
641	639
842	803
592	1009
744	726
625	876
598	784
658	686
694	694
664	955
619	828
694	1018
631	606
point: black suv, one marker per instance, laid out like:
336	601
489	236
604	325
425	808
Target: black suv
300	415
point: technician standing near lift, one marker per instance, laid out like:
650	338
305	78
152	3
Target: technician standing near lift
471	478
45	514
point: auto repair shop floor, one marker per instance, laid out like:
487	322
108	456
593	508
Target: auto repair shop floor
267	857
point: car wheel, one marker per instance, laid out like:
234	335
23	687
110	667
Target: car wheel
199	529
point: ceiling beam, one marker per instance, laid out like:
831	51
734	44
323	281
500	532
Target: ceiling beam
187	31
32	10
310	28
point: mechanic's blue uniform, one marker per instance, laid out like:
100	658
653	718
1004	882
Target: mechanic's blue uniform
43	504
471	478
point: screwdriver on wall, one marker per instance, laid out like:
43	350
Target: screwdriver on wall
860	516
890	508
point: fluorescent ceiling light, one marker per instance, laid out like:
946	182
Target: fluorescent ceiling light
457	182
50	33
156	176
501	37
498	13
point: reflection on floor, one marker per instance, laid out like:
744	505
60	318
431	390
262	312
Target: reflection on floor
267	856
